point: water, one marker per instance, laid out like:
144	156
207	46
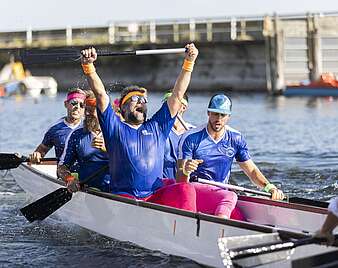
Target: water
292	140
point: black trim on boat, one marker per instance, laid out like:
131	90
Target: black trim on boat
198	223
313	203
198	216
297	206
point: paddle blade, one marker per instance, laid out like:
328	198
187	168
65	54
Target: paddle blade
46	56
9	161
47	205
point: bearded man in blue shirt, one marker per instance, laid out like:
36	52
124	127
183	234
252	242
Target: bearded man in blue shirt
135	146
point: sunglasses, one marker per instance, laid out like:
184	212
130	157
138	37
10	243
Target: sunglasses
140	99
75	103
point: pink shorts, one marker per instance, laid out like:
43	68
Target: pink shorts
195	197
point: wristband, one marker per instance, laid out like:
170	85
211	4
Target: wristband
269	187
69	178
88	68
75	175
188	65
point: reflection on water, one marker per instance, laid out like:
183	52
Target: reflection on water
292	140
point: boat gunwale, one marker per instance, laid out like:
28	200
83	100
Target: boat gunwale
252	199
302	207
194	215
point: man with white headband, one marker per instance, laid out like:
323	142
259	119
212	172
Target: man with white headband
57	134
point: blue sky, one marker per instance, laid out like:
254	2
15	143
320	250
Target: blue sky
39	14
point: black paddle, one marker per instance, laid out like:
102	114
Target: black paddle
246	252
38	56
47	205
254	254
13	160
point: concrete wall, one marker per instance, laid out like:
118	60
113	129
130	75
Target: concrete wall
232	66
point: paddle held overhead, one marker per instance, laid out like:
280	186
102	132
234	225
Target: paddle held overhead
38	56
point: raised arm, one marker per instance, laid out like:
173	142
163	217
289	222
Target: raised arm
183	80
89	56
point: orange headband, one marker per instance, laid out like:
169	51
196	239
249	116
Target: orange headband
133	93
91	102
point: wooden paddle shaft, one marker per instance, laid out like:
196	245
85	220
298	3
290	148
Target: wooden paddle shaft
231	187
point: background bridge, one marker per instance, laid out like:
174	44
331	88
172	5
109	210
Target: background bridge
244	53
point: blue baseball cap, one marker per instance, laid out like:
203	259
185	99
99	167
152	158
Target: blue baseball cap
220	103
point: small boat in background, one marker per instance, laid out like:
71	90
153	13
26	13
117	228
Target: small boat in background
14	80
327	85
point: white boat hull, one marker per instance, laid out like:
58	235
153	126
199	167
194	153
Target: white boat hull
151	226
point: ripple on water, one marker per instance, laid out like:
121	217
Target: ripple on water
53	243
285	137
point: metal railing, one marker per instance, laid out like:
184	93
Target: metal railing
159	32
217	29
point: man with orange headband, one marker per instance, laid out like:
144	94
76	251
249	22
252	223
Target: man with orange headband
136	146
56	134
85	146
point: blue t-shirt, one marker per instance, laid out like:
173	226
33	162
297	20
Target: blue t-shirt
171	153
86	159
136	154
56	136
217	156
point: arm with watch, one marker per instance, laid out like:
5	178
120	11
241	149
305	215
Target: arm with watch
187	166
257	177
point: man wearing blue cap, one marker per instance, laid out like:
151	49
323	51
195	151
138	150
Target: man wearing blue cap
208	151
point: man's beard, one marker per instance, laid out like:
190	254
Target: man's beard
132	118
91	124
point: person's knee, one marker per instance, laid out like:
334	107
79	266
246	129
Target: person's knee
184	188
180	195
233	196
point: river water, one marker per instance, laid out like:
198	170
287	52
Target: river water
292	140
